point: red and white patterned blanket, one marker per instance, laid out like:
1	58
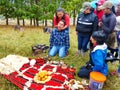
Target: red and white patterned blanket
26	82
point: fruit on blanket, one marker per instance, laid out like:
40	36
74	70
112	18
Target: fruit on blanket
42	76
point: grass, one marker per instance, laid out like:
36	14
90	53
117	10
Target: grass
20	42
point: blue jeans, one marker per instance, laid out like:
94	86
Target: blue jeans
83	42
58	49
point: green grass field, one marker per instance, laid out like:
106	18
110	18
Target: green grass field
20	42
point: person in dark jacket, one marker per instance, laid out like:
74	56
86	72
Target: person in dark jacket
97	56
108	19
87	22
108	24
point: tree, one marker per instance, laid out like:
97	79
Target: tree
38	10
6	9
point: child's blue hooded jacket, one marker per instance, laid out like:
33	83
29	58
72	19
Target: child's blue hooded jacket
98	56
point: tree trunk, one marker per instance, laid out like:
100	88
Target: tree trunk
37	23
34	22
23	22
74	17
45	22
6	20
18	21
30	21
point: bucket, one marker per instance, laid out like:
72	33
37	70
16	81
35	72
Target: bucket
97	80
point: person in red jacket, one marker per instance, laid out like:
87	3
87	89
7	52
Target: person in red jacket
99	12
59	15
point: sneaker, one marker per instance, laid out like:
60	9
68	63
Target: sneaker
78	52
83	54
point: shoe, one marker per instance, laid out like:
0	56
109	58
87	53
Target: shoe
78	52
83	54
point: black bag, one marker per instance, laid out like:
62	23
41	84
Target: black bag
84	71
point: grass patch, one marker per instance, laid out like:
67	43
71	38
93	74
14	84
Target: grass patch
20	42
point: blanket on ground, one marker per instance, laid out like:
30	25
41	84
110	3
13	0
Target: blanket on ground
23	78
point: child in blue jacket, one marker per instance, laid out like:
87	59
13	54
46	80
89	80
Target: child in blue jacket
97	56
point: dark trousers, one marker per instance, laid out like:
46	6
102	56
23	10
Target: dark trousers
83	42
84	72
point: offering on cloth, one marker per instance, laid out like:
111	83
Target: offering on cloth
42	76
32	62
64	66
76	85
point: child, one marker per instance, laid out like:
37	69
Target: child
97	56
59	41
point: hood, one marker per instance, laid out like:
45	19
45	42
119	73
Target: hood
102	47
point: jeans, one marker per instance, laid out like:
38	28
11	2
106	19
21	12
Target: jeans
58	49
83	42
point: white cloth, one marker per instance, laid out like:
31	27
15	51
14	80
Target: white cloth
12	63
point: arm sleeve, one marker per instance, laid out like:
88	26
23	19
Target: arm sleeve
67	20
98	62
54	21
95	24
110	28
77	24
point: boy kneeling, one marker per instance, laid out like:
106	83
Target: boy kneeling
97	56
59	41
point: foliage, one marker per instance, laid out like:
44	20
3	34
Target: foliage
38	9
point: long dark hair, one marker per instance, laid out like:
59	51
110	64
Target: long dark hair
60	10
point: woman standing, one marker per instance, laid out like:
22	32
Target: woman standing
61	15
87	23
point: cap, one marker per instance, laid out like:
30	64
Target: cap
85	6
107	4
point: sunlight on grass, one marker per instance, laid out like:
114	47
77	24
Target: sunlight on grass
20	42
